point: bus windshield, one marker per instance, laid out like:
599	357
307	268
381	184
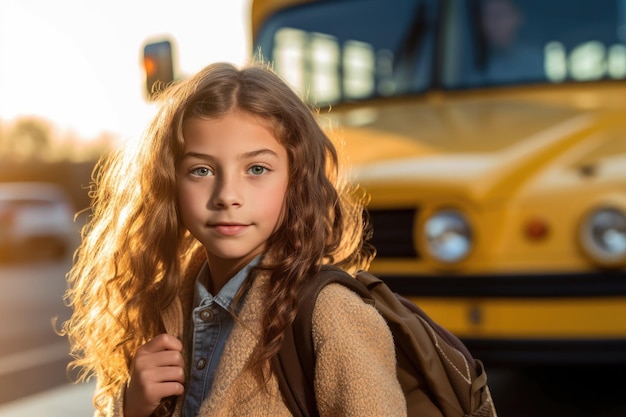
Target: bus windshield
359	49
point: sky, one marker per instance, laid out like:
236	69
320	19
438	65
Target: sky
77	63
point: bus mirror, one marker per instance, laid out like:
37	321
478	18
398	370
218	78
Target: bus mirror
158	63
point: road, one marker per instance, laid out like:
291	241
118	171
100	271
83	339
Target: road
33	359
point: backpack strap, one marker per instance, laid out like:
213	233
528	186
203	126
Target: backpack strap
294	365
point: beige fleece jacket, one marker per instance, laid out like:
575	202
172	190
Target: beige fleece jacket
355	368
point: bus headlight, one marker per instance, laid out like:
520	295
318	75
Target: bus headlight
448	236
603	236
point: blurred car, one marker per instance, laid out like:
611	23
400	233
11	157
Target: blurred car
491	138
36	221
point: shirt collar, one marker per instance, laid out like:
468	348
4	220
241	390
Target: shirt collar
228	292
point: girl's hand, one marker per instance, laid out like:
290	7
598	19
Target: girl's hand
157	372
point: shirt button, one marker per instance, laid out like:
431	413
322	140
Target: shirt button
201	364
206	315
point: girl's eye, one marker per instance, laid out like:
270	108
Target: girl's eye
201	172
258	170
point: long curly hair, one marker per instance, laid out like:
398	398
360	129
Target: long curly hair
134	246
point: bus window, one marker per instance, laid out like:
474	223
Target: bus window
343	51
360	49
504	42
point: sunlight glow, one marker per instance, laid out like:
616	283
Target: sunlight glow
78	64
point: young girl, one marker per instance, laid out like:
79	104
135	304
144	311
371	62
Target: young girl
200	240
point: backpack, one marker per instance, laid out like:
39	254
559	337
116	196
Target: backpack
437	373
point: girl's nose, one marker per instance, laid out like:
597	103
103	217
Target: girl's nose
227	193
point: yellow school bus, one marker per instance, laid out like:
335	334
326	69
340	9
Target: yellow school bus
497	176
491	138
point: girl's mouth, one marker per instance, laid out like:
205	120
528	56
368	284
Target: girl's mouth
229	229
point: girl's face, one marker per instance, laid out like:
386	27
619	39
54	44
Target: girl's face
232	182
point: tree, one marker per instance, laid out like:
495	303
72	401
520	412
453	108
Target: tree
28	137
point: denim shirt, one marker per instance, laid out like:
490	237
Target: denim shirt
212	324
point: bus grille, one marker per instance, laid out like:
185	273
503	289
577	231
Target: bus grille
393	233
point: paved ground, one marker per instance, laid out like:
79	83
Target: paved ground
67	400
